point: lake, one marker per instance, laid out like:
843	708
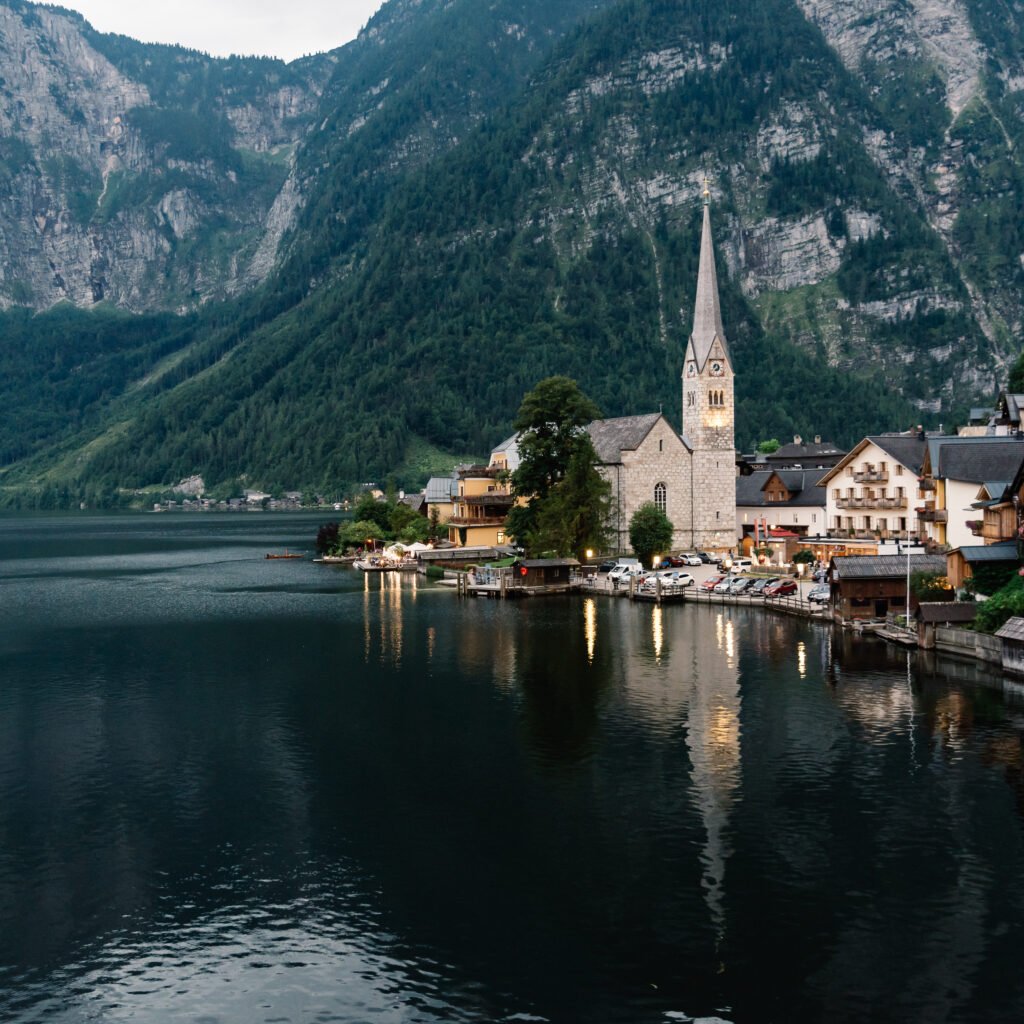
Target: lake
241	790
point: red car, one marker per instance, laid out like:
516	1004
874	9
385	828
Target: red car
711	582
780	588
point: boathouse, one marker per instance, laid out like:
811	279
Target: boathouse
546	572
872	586
1012	636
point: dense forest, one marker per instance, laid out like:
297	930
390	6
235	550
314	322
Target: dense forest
487	224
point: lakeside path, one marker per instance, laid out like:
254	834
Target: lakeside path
795	604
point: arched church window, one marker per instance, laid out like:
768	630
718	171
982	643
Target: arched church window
661	497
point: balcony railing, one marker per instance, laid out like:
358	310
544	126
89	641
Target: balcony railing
871	502
476	521
871	476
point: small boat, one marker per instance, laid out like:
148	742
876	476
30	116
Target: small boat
287	554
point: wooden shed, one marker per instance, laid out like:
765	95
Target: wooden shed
872	586
932	614
546	572
1012	636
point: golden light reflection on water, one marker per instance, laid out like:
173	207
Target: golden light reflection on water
658	631
801	659
389	589
590	627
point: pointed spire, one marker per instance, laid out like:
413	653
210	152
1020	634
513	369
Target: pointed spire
707	314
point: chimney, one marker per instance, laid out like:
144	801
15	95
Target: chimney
817	438
797	439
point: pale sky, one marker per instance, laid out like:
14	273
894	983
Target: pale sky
276	28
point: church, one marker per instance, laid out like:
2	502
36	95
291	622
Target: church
691	477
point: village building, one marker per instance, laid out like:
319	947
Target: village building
440	494
873	491
482	501
870	587
979	560
772	503
952	472
799	454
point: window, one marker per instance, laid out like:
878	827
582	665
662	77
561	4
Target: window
661	497
899	469
661	444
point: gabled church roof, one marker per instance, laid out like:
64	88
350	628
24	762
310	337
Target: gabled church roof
707	312
624	433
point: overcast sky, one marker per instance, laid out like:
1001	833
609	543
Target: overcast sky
277	28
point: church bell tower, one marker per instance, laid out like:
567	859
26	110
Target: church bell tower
709	408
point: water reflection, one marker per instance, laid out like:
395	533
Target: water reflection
706	810
590	626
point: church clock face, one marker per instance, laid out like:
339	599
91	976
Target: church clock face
716	368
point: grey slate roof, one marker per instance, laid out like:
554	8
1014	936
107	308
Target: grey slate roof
1014	404
440	489
1013	629
907	449
801	483
975	459
625	433
863	567
1005	551
947	611
806	451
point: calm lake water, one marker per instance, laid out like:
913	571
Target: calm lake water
239	790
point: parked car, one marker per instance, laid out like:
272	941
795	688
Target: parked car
740	584
757	587
711	582
689	558
671	562
725	585
606	567
780	588
820	595
622	573
821	576
741	565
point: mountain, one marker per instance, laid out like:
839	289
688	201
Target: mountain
476	196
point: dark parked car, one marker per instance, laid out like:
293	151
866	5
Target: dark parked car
605	567
757	587
820	595
780	588
709	559
671	562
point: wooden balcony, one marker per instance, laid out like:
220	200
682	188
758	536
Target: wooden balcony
871	476
476	521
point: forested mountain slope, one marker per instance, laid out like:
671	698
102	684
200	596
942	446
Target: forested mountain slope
492	193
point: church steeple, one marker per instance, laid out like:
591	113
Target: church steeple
707	313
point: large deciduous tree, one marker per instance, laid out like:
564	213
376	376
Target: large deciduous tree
567	499
650	532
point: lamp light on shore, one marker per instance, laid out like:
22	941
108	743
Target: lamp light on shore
590	553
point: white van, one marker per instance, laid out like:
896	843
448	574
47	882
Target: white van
625	569
741	565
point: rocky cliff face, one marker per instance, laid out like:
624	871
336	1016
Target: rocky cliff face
97	206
